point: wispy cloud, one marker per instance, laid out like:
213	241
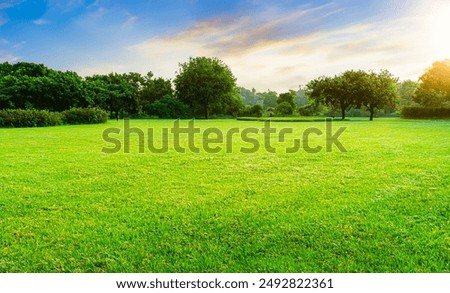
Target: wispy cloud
131	20
9	3
283	50
6	56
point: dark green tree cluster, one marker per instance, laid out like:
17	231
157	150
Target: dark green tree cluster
355	89
33	86
206	86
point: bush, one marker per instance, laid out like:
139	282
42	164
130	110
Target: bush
253	111
29	118
85	116
168	108
425	113
284	108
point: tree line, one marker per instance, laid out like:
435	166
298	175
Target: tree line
206	86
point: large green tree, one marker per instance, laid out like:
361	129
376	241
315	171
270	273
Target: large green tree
207	85
331	91
378	91
434	89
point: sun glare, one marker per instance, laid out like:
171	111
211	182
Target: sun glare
439	20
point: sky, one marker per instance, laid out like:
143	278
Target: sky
277	45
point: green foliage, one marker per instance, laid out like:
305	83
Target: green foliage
252	111
284	108
167	107
425	113
207	85
85	116
154	89
301	97
378	91
354	89
34	86
406	91
434	89
289	97
269	99
250	97
117	93
29	118
312	109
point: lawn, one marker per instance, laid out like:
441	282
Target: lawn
382	206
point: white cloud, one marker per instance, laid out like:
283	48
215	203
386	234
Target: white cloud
6	56
279	51
266	54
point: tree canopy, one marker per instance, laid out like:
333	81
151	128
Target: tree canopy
355	89
207	85
434	88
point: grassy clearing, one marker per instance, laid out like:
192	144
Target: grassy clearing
383	206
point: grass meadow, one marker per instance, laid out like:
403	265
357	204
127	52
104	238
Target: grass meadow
382	206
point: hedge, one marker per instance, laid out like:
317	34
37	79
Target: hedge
85	116
29	118
425	113
42	118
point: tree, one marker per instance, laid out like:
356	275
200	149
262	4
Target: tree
252	111
434	89
154	89
250	97
288	97
378	91
355	89
207	85
300	97
269	99
167	107
113	92
284	108
33	86
406	91
331	91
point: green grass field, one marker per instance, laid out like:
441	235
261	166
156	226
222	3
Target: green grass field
383	206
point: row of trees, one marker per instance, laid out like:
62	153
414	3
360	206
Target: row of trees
34	86
206	86
359	93
355	89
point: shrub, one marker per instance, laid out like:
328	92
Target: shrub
29	118
167	107
252	111
284	108
425	113
85	116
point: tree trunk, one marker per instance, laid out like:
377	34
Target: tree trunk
206	111
343	113
371	115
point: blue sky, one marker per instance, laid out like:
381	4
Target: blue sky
268	44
